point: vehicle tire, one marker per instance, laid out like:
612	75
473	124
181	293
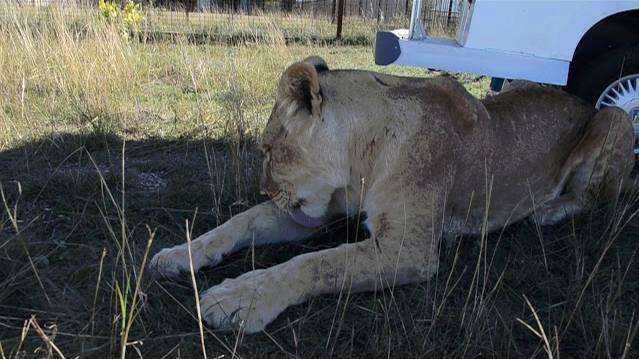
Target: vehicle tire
612	79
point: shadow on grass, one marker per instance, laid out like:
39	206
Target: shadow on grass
581	276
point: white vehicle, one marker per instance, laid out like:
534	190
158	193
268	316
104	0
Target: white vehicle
590	47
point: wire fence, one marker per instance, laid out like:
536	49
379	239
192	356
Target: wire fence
295	19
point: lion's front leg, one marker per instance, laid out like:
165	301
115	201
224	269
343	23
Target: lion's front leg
254	299
262	224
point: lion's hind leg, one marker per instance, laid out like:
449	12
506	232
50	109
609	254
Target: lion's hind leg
596	168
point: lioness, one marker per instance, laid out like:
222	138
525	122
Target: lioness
423	158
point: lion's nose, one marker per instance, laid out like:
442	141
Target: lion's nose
267	186
266	190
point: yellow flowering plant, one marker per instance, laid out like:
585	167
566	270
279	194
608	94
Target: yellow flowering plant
128	16
109	10
132	15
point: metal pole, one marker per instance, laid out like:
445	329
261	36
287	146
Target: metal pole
414	17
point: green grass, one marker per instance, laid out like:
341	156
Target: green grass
106	143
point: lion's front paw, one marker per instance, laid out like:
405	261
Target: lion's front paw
248	303
170	262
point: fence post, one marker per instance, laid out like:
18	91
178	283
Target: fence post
333	12
340	16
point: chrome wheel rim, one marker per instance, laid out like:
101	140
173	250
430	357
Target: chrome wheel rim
624	93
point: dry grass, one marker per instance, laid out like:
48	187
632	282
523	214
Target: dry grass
60	77
220	26
109	146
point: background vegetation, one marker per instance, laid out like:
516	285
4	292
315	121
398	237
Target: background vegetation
109	143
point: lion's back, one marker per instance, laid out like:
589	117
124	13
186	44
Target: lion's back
537	121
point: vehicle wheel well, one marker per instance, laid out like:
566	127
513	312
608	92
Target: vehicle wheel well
612	32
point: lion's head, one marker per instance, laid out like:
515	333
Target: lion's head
305	149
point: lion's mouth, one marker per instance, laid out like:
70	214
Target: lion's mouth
281	199
305	220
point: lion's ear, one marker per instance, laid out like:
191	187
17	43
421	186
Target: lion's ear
317	62
300	84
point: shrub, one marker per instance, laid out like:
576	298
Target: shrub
109	10
132	15
129	17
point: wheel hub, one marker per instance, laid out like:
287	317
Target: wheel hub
624	93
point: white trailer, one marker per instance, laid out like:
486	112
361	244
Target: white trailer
589	47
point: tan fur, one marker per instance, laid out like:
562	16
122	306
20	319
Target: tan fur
428	159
